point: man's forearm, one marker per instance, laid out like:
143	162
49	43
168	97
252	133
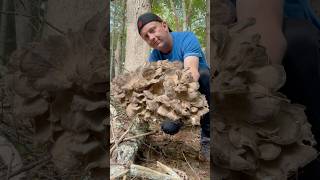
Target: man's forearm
192	63
269	18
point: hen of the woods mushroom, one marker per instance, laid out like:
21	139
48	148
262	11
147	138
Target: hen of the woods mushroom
257	131
59	86
160	90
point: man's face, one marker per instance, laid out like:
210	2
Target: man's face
156	34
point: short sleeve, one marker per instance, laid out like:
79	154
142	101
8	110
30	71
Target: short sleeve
191	46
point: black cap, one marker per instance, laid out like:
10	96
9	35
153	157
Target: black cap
146	18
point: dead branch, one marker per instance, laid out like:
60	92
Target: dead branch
140	171
167	170
30	166
194	172
120	174
136	136
121	138
135	170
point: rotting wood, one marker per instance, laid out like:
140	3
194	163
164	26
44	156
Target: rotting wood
135	170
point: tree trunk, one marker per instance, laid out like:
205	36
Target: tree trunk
7	31
112	54
184	11
3	29
176	19
187	11
23	24
123	39
207	51
137	51
71	14
117	56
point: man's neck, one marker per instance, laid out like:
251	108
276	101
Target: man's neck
168	46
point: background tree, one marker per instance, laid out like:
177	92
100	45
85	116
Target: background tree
208	37
181	15
137	51
118	36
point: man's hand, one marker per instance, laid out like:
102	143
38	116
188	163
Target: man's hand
192	63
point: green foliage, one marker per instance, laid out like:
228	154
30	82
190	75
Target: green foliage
197	13
163	8
117	31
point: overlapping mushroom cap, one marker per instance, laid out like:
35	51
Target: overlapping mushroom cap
59	84
257	131
160	90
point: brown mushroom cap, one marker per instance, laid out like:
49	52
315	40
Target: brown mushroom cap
168	89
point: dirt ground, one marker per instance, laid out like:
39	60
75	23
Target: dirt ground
176	152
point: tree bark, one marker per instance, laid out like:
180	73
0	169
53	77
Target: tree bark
23	24
112	55
71	14
176	19
7	31
186	14
184	10
137	51
208	37
117	56
3	29
123	39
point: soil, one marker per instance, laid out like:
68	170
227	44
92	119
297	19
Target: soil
176	152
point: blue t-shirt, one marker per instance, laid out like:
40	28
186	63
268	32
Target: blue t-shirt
298	9
184	44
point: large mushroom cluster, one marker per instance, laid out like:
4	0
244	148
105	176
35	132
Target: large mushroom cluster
59	85
258	133
160	90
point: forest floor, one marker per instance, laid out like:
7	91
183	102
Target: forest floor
180	151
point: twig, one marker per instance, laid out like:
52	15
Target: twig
113	136
190	166
141	171
136	136
155	150
30	166
121	138
112	132
168	170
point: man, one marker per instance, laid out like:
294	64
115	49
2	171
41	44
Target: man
184	47
290	32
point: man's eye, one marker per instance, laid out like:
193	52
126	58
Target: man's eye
145	36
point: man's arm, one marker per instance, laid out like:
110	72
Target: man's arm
269	18
192	62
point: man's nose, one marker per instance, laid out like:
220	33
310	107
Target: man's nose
151	37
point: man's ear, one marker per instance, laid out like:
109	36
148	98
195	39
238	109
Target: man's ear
165	26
